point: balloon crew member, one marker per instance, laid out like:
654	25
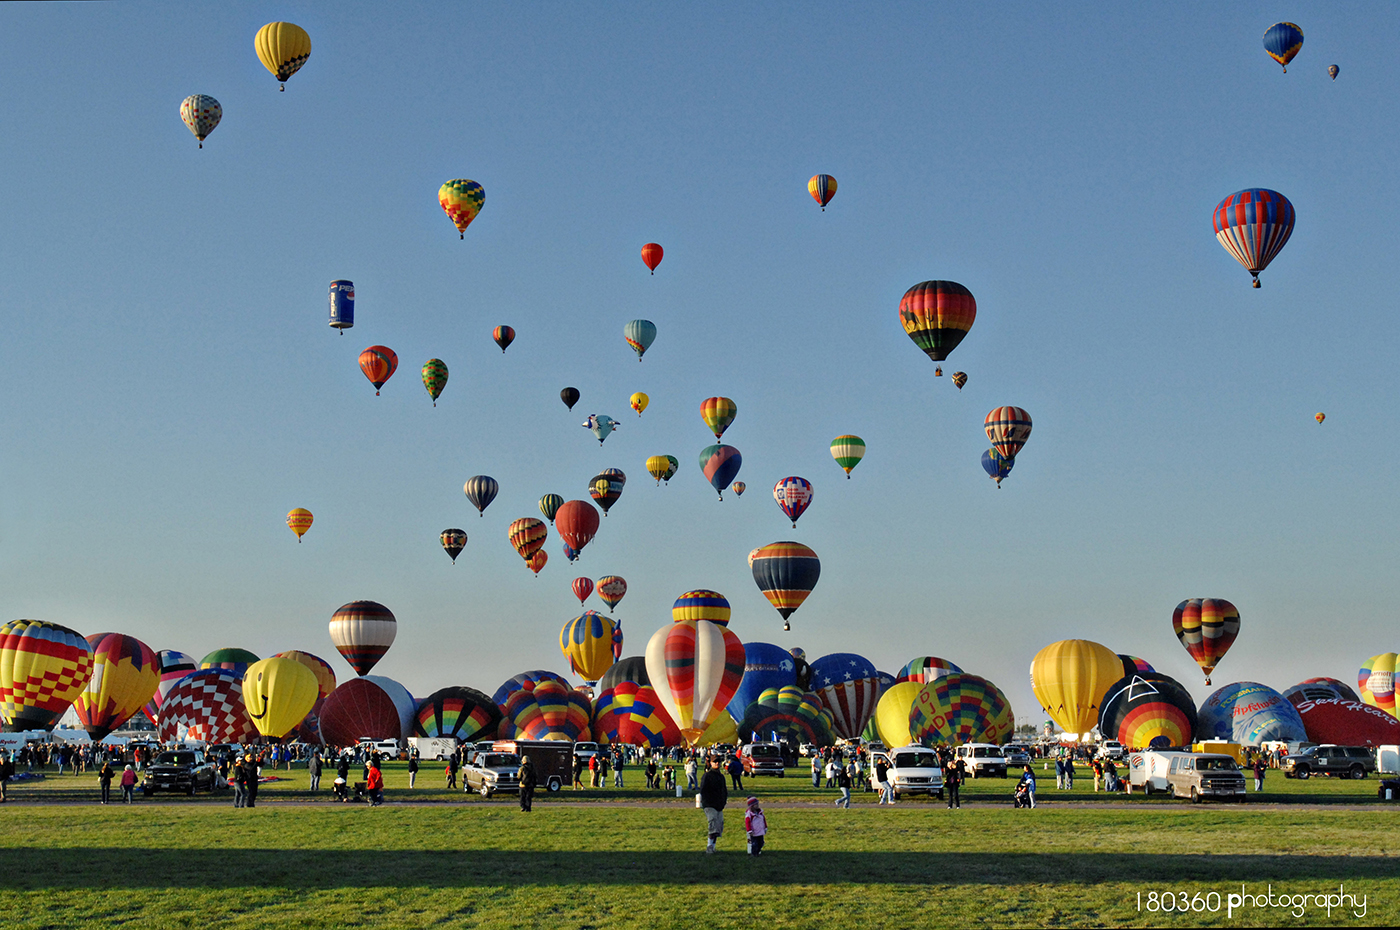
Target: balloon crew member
952	782
756	826
527	783
374	784
712	797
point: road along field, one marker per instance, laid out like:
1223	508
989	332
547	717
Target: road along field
634	858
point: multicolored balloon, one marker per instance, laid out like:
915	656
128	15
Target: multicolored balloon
1132	665
1148	710
1254	225
172	666
662	468
576	523
1283	41
997	466
125	676
481	490
848	450
549	506
640	334
738	488
632	714
1333	70
638	402
720	464
434	377
453	542
527	535
1376	682
201	113
209	704
927	668
789	714
547	710
503	336
1319	417
462	200
586	642
652	253
1250	714
570	396
718	413
1008	428
282	48
378	363
848	686
1207	627
278	693
959	379
230	660
766	666
527	681
606	487
786	572
695	667
299	521
600	424
320	669
465	714
1070	678
362	632
822	187
794	496
611	590
937	316
960	708
701	604
537	561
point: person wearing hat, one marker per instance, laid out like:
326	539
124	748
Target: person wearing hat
240	783
756	826
712	797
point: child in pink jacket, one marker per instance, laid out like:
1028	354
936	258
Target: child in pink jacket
756	826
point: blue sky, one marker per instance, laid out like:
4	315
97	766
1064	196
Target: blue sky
173	389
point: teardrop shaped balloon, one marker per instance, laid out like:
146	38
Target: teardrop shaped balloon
606	488
695	667
434	377
569	396
527	535
662	467
611	590
652	254
794	496
959	379
1207	627
453	542
1283	41
577	523
937	316
1070	678
1319	416
282	48
586	642
378	363
201	113
639	402
362	631
537	561
1008	428
481	490
503	336
582	587
822	187
738	488
996	465
640	334
1253	226
125	675
1333	70
462	200
549	506
299	520
718	413
720	464
786	572
848	450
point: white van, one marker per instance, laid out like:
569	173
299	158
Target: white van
983	760
1194	775
915	770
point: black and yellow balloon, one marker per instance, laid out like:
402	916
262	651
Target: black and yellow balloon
283	48
278	694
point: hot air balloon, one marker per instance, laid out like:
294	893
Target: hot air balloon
527	535
1333	70
640	334
230	660
201	113
701	604
927	668
282	48
569	396
278	694
582	587
124	678
549	506
1254	225
606	488
1319	417
378	363
362	632
462	200
1070	678
788	714
600	424
1148	710
794	496
632	668
632	714
1008	428
548	710
786	572
996	465
209	704
848	451
1132	665
662	467
299	520
465	714
537	561
434	377
576	523
1347	723
611	590
652	253
171	666
738	488
570	552
718	413
503	336
1206	627
453	542
765	666
1376	682
1283	41
371	707
342	302
720	464
847	685
586	642
638	402
960	708
937	315
822	187
892	714
1319	689
959	379
481	490
1250	714
695	667
320	669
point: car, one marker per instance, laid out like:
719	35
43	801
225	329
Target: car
914	770
1110	749
762	759
184	770
492	772
585	751
1342	761
807	749
1016	754
387	747
983	760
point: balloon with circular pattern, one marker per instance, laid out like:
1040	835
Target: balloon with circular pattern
1148	710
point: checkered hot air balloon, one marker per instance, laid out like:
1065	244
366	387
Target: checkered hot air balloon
434	377
632	714
1254	225
43	669
209	703
960	708
701	604
172	666
201	113
462	200
282	48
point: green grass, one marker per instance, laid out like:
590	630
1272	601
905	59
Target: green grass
473	863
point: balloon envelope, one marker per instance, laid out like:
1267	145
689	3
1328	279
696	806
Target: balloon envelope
454	712
640	334
586	642
125	676
611	590
1347	723
453	542
1148	709
209	704
43	668
1376	682
371	707
231	660
848	686
652	253
701	604
278	693
960	708
282	48
822	187
786	572
462	199
695	667
718	413
1283	41
569	396
892	714
576	523
937	315
1250	714
362	632
547	710
201	113
765	666
379	364
924	669
172	666
1071	677
632	714
1206	626
848	450
481	490
1253	226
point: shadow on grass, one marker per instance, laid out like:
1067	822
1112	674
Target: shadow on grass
32	869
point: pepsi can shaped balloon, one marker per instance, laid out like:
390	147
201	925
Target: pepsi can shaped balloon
342	305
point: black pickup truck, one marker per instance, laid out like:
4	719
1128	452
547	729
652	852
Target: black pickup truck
179	770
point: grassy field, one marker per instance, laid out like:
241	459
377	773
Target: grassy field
466	862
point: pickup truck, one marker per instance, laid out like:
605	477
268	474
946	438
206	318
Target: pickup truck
492	772
762	759
179	770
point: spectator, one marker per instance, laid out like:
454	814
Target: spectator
313	770
617	769
756	826
451	771
412	768
251	771
7	771
816	770
736	770
843	782
128	785
1259	773
1028	779
953	781
691	782
527	784
374	784
882	779
712	798
104	778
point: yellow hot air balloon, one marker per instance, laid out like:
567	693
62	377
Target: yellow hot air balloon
892	713
299	520
1070	679
722	729
587	642
283	48
278	694
639	402
124	677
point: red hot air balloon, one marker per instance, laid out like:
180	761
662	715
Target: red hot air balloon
582	588
652	254
576	522
378	363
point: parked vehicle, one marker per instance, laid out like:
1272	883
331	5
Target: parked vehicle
389	747
915	770
585	751
1194	775
1342	761
1221	747
1388	760
1110	749
433	747
184	770
553	759
491	772
762	759
983	760
1016	754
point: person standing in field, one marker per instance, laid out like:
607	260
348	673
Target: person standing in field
1069	773
250	780
756	826
816	770
374	784
882	778
239	782
451	771
527	783
617	769
128	784
713	795
1259	773
1028	779
843	782
578	772
104	778
952	783
412	768
313	770
736	771
691	782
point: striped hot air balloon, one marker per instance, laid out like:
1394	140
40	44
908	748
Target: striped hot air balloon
822	187
632	714
718	413
611	590
527	535
1008	428
481	490
662	467
1254	225
549	506
701	604
453	542
848	686
124	678
794	496
1206	626
362	632
848	450
230	659
586	642
463	713
786	572
937	315
695	667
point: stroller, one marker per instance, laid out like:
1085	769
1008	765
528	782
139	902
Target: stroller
1022	797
